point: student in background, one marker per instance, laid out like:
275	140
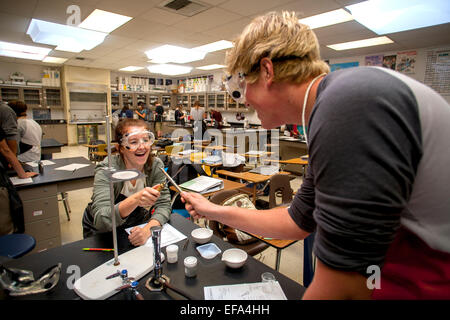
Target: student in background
8	122
142	111
126	113
179	115
11	208
159	111
30	133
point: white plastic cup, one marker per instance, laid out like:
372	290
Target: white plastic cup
172	253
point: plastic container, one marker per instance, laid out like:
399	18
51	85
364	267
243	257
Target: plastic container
190	266
172	253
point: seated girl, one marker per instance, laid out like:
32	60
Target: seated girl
134	200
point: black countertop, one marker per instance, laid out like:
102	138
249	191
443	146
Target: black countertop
210	272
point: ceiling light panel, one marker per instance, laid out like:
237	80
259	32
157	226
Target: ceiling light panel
169	69
361	43
54	60
175	54
131	68
16	50
215	46
386	16
327	19
211	67
66	38
104	21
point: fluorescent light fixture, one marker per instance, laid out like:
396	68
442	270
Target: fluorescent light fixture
211	67
131	68
169	53
360	43
16	50
169	69
104	21
387	16
327	18
215	46
66	38
54	60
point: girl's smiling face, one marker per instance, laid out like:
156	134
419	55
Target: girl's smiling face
135	146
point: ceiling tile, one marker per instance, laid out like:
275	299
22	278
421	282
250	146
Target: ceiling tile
251	7
208	19
134	28
129	8
56	11
229	31
306	8
156	15
22	8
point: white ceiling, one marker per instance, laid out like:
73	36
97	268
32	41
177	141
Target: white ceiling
152	27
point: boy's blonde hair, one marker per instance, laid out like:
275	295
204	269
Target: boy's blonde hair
292	47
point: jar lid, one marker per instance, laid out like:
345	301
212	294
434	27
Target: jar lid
190	261
172	248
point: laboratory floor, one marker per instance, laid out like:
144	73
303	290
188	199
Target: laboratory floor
291	258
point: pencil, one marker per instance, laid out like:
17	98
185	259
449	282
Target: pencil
97	249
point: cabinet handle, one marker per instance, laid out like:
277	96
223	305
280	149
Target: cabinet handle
48	223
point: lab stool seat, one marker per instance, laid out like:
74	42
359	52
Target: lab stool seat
16	245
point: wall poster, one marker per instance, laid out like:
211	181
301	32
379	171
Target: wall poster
406	61
337	66
375	61
437	70
389	61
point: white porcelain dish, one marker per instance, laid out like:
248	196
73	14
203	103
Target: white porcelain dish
234	258
201	235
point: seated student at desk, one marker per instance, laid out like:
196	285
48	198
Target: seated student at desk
131	197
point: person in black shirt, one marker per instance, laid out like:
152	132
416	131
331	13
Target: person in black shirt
158	119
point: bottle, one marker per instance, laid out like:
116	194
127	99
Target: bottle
190	266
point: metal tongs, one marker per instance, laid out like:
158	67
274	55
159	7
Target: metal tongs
20	282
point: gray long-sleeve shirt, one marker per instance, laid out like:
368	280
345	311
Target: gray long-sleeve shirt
101	209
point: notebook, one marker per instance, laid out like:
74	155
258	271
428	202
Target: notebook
203	184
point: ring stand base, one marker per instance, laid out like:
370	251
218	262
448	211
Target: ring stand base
95	286
156	284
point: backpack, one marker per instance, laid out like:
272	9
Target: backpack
234	235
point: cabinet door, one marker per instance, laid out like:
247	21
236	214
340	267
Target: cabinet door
32	97
127	100
220	101
8	94
60	132
115	101
211	101
52	98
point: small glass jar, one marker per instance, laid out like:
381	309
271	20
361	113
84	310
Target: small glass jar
190	266
267	277
172	253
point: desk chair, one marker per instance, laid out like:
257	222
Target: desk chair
280	185
172	150
16	245
92	149
100	153
252	248
65	200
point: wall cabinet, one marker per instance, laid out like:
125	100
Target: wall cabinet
34	97
221	101
119	99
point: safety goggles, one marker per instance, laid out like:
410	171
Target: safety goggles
133	140
236	87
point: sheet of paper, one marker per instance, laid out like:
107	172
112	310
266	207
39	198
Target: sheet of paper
32	164
16	180
169	235
72	167
247	291
47	162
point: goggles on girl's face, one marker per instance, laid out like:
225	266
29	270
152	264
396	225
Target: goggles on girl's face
236	87
133	140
